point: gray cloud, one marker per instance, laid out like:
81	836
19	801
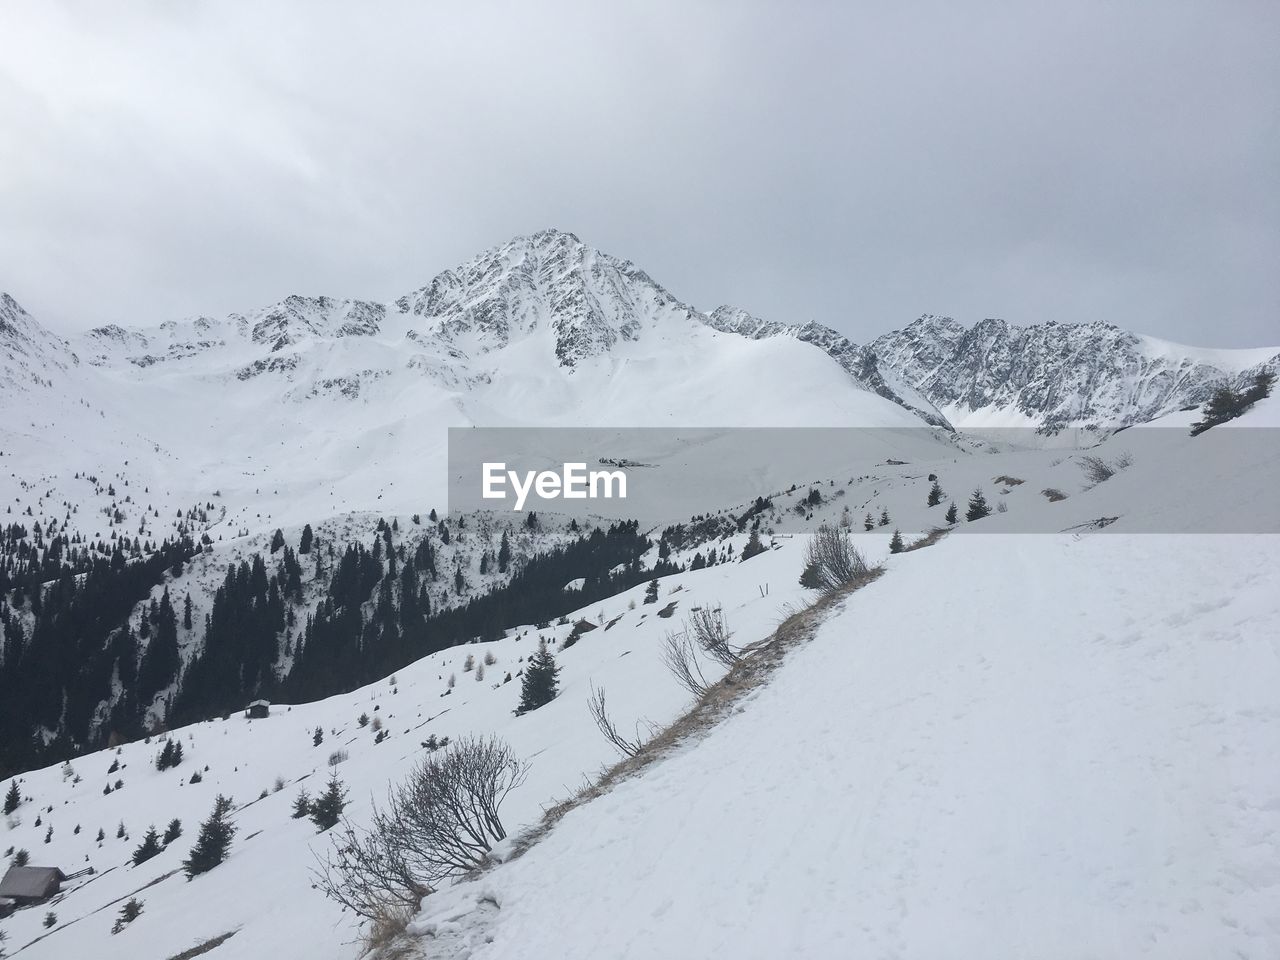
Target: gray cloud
855	164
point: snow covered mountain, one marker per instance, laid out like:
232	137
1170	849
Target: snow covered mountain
182	448
314	406
221	508
30	356
1055	375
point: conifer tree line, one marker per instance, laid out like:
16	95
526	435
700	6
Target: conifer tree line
65	621
375	616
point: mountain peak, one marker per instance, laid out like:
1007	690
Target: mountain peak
546	281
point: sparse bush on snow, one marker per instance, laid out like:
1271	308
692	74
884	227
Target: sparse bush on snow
708	628
1096	470
831	560
681	657
440	822
600	714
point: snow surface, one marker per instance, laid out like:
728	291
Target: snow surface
1006	747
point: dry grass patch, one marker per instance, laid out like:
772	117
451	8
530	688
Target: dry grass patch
384	938
928	540
202	948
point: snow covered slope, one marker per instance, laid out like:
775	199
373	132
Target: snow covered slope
1006	747
1009	745
859	362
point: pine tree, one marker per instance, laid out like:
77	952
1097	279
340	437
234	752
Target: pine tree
951	512
214	841
977	506
304	545
317	738
884	517
277	540
301	805
128	913
149	847
651	591
13	798
869	523
186	612
160	663
172	832
1227	404
539	685
935	494
327	808
504	553
753	547
895	545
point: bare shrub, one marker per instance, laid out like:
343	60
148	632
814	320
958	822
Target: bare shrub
600	714
1053	494
337	757
1096	470
831	560
441	822
681	657
1007	480
709	630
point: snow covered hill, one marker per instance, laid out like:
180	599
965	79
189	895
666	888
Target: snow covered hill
1012	745
210	434
1005	747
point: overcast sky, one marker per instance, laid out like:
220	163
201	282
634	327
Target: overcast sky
856	164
